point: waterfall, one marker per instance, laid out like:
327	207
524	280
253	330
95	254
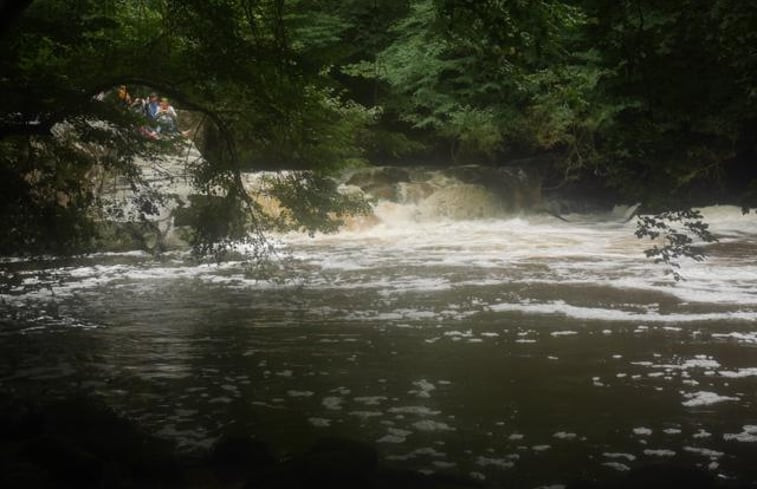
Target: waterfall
456	193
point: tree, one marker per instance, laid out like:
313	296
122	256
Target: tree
680	71
492	78
655	102
236	62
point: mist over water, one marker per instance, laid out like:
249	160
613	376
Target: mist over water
507	348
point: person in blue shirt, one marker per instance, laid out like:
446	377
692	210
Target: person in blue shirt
152	106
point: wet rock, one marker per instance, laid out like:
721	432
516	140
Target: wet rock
382	191
461	202
512	189
125	236
414	192
517	188
360	222
379	182
196	126
377	176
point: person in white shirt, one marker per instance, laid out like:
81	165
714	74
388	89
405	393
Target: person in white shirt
166	118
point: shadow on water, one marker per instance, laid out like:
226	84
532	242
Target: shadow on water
80	443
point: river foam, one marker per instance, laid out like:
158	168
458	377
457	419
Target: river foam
524	317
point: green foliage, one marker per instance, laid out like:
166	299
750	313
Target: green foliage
476	131
420	68
43	206
655	98
681	66
569	112
218	223
678	231
310	202
321	131
480	78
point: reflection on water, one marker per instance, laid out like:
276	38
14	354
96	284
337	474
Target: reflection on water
528	350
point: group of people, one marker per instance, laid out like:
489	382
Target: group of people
154	109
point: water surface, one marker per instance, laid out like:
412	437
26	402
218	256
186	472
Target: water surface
522	349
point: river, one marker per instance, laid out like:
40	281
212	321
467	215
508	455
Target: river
520	349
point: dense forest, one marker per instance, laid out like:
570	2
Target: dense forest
651	101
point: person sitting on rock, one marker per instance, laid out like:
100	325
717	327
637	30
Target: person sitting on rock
139	106
152	106
124	99
166	118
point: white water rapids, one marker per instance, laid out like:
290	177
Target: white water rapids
521	350
539	264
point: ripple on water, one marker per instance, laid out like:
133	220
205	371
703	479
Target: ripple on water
429	425
704	398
